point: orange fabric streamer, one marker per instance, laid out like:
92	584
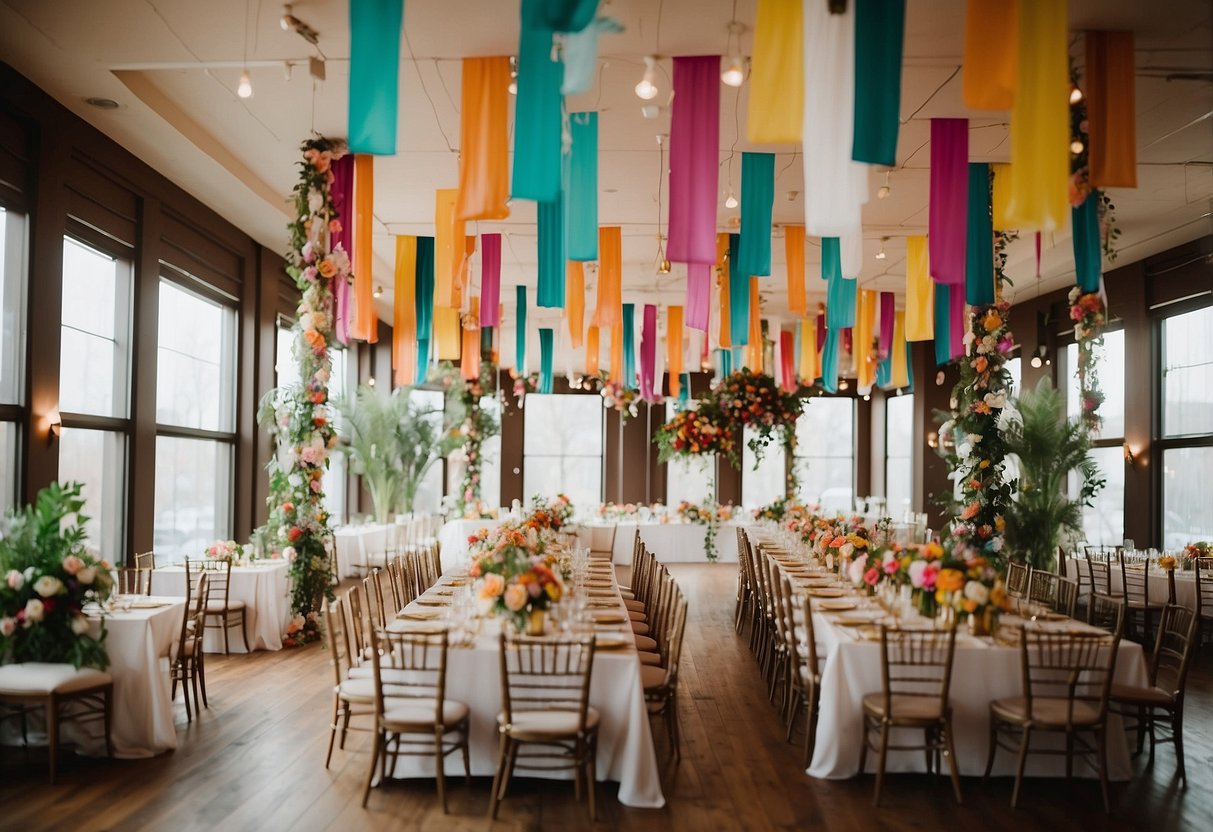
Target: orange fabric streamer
446	334
861	344
673	346
591	351
754	348
465	273
616	368
484	179
1111	109
404	317
364	323
807	368
991	57
448	255
609	311
793	238
574	300
725	339
469	364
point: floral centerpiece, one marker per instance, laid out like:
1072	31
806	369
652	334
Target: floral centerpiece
225	550
1199	549
516	578
703	430
551	515
48	578
971	586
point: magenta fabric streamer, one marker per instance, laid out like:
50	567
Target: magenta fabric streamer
821	331
342	191
956	321
694	161
948	229
887	312
648	353
699	295
490	280
847	334
341	299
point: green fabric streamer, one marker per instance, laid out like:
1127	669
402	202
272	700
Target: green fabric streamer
979	247
943	323
562	15
1087	254
581	188
757	199
551	255
739	296
629	346
423	288
684	390
537	112
829	362
879	32
545	360
520	330
375	27
423	360
831	258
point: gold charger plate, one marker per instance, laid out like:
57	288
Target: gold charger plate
852	622
455	583
836	606
610	641
434	602
419	615
826	593
610	618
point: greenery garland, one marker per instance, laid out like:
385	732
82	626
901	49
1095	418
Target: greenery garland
298	416
476	426
1089	316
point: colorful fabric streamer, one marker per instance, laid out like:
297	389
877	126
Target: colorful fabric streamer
793	241
1110	87
551	255
979	246
787	361
754	342
943	324
490	280
724	336
404	309
629	346
920	292
469	359
591	350
424	306
365	323
887	306
840	303
484	144
694	159
776	111
545	361
673	348
537	111
580	198
901	353
574	310
879	32
608	312
448	248
616	368
699	295
447	334
831	258
739	298
375	27
949	197
342	191
1000	196
757	200
991	54
958	322
579	53
807	366
829	362
520	330
648	352
864	333
1088	254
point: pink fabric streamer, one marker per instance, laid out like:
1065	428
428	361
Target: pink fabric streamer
648	353
947	231
342	191
699	295
787	361
847	339
694	165
956	315
821	331
887	313
490	280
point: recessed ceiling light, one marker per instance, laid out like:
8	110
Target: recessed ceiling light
102	103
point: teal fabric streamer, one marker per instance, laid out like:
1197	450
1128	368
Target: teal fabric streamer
629	346
537	111
829	362
520	331
580	54
545	360
739	297
486	340
423	360
909	370
562	15
757	199
736	359
840	303
726	362
879	33
831	258
1087	254
375	27
884	372
684	390
423	287
979	248
551	254
943	323
581	188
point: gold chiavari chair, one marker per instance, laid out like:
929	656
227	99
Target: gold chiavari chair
222	612
188	665
807	684
660	682
1204	595
545	699
395	581
372	594
1017	580
1106	613
133	580
916	671
352	697
146	560
1066	681
1100	572
1053	591
1135	580
602	541
745	586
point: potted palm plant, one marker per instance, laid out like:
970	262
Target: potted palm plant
368	437
422	439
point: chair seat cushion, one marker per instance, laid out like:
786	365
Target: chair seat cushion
627	593
551	723
649	657
652	676
904	706
47	678
637	616
1141	696
645	643
1047	711
357	690
420	713
213	607
640	628
631	604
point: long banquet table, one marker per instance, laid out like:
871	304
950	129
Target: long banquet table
1156	583
263	588
625	742
453	538
670	542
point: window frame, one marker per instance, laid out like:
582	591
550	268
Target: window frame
798	454
601	455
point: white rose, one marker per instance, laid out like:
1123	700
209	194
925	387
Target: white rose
977	592
916	569
289	553
33	611
14	579
87	575
974	438
856	569
8	626
996	400
968	339
48	585
79	625
315	200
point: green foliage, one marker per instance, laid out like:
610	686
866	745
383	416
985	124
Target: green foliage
1048	446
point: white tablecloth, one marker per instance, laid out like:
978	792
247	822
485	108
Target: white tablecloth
669	542
359	544
453	539
263	589
625	743
1156	583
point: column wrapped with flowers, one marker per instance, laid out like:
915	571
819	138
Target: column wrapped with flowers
1089	316
298	415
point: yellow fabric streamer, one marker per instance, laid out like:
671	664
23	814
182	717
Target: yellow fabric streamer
484	178
793	239
807	369
900	374
673	344
364	322
591	351
448	249
469	364
574	300
920	292
616	368
404	317
861	344
1001	196
1040	120
776	112
609	310
446	333
753	350
991	54
725	339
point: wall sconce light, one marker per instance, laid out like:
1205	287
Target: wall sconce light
370	382
932	439
1040	357
1130	456
54	426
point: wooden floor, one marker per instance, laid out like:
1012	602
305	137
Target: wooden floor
255	761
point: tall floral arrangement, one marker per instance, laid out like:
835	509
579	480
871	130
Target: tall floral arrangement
298	416
475	427
1089	316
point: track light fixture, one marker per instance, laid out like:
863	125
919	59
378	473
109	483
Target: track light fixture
290	23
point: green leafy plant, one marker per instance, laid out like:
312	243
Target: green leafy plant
1047	446
48	578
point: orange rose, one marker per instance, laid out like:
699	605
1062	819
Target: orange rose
326	268
992	321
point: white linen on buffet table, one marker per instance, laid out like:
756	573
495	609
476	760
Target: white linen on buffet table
453	539
669	542
1156	583
263	588
359	545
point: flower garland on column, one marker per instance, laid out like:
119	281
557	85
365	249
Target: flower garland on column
298	416
476	428
977	457
1089	316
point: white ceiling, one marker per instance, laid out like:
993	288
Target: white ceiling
173	65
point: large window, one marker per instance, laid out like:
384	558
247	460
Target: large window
94	397
825	453
762	481
430	491
899	453
195	416
1187	426
12	331
490	456
1104	522
562	447
691	478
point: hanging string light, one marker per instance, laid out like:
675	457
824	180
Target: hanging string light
646	89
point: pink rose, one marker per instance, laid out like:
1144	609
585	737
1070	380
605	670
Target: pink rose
515	597
72	564
871	576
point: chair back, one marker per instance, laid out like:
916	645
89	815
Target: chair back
1066	600
1135	579
194	612
602	540
810	639
416	662
133	581
547	674
1106	612
218	570
146	560
340	657
372	590
394	567
1173	650
357	643
1017	580
1076	667
917	663
1099	570
1204	586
